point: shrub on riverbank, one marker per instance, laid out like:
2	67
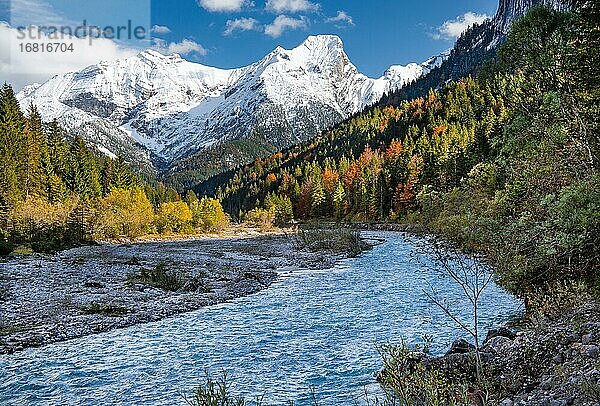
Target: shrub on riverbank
339	239
207	213
124	212
108	310
260	218
218	393
174	217
410	381
5	246
159	277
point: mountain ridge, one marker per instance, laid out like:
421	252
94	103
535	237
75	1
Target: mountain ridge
159	109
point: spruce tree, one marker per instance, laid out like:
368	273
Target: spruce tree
84	177
122	177
12	146
55	164
34	181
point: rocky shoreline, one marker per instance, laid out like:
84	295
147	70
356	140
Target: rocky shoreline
552	360
93	289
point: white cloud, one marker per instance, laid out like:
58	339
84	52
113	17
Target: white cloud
161	29
184	47
224	5
452	29
23	68
241	24
35	12
341	18
291	6
283	23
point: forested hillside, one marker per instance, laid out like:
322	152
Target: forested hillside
56	192
506	162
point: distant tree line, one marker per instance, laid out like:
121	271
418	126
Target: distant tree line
56	192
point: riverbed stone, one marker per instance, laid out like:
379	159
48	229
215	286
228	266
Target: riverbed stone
587	339
500	332
497	343
461	346
558	359
592	351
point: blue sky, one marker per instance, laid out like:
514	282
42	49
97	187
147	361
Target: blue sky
234	33
382	32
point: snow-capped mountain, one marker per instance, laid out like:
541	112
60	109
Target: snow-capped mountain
159	109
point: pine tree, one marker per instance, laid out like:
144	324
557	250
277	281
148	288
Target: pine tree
55	165
106	176
317	195
284	211
339	201
121	176
12	146
84	177
34	181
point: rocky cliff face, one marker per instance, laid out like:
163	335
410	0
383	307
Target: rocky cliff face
511	10
476	46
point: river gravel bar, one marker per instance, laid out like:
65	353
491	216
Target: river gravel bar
92	289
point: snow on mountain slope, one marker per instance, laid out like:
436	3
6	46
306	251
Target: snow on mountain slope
159	109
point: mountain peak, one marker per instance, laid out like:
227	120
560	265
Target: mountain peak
163	108
323	41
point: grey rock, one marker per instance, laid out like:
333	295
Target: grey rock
572	338
546	384
557	359
461	346
592	351
500	332
594	374
497	343
506	402
587	339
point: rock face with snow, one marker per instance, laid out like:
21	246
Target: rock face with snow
158	110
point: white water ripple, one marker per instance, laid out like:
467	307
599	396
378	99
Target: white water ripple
309	329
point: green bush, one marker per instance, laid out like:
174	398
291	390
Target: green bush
410	382
282	209
159	277
6	247
104	310
335	239
208	214
217	393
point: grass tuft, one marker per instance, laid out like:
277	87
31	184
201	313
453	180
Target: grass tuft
159	277
104	310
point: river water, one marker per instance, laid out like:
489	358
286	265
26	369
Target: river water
316	330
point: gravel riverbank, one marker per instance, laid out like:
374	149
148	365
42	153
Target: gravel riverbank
87	290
